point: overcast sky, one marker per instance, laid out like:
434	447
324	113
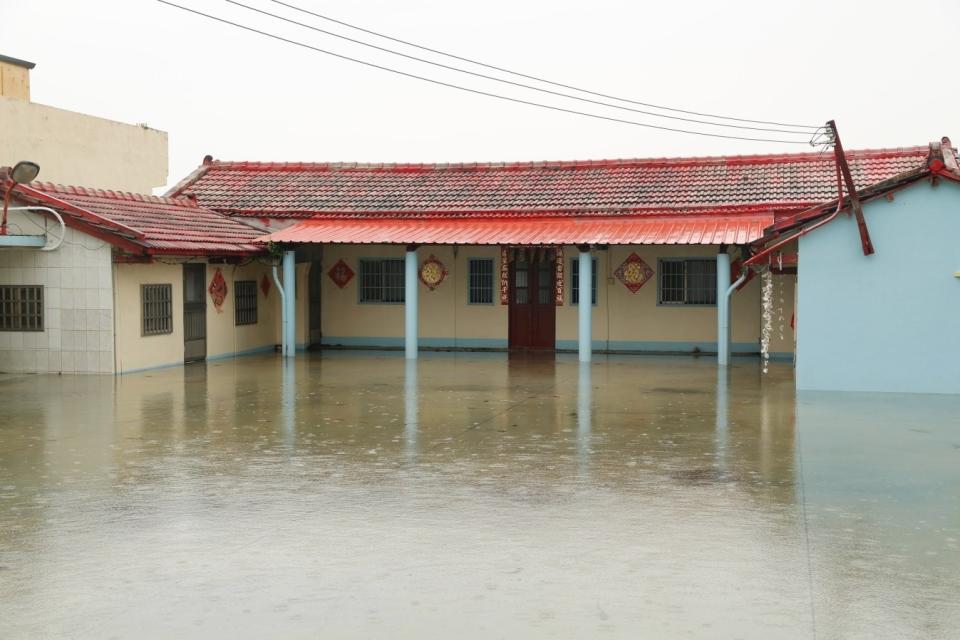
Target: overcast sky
884	70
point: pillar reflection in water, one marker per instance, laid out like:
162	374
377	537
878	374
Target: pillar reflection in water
584	416
722	431
289	401
411	416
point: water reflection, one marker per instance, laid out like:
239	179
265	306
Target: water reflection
584	416
411	410
722	434
289	402
473	496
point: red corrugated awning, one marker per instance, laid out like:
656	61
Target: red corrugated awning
533	231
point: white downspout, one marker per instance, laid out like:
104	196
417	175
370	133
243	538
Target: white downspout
283	313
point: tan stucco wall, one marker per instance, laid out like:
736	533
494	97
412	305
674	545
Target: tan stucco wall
444	312
78	149
224	338
134	351
619	316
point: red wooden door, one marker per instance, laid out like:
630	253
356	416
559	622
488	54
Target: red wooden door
533	312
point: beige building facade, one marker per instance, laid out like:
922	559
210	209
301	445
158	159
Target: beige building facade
622	321
76	148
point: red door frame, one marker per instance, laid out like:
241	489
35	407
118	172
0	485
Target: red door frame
532	309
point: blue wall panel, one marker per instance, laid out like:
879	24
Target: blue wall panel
890	321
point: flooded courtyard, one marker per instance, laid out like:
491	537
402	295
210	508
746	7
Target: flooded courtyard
354	494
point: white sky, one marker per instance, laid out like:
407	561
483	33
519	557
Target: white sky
884	70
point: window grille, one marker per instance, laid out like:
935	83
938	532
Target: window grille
157	303
480	290
245	302
21	308
575	282
688	281
382	281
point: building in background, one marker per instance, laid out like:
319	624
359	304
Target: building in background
75	148
135	282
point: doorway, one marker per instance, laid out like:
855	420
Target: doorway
533	311
314	280
194	312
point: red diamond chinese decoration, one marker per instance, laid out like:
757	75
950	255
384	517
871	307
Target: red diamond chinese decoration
265	285
340	273
634	272
218	290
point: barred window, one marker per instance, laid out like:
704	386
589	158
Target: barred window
575	282
480	290
382	280
245	301
21	308
157	303
688	281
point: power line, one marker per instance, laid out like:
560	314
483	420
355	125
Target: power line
467	89
511	82
532	77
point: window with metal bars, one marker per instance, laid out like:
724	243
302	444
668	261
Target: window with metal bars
575	282
688	281
381	281
157	305
480	286
245	301
21	308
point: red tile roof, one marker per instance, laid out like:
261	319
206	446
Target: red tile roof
728	229
679	186
146	224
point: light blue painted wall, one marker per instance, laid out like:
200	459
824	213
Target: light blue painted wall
890	321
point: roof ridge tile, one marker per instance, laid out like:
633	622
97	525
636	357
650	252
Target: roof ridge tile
807	156
112	194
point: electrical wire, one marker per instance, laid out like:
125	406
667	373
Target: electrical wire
467	89
532	77
510	82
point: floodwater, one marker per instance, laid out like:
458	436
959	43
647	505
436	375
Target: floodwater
474	496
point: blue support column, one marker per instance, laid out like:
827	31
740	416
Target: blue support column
411	303
585	305
290	302
723	307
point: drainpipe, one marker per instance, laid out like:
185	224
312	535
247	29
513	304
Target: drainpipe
290	300
585	304
411	303
283	313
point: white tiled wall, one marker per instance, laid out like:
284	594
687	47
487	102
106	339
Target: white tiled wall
78	306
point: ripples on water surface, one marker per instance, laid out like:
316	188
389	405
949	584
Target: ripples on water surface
355	495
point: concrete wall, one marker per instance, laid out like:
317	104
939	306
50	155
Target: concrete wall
886	322
78	304
73	148
621	320
224	338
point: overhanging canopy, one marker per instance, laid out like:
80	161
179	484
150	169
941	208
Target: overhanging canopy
727	229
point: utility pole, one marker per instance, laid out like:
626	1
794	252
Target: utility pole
841	159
